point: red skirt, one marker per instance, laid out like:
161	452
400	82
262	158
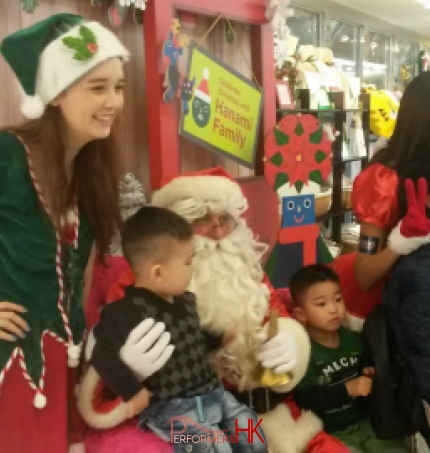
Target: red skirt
26	429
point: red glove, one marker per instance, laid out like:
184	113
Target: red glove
414	229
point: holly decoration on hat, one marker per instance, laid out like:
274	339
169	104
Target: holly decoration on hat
297	150
85	46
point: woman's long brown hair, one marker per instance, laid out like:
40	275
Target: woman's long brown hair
94	183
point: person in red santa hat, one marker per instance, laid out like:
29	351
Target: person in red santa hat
231	293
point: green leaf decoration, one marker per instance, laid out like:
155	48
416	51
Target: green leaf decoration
281	138
299	186
299	129
280	180
315	176
87	35
85	47
316	136
320	156
276	159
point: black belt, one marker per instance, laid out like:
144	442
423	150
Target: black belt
261	399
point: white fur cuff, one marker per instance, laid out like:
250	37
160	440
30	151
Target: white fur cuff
403	245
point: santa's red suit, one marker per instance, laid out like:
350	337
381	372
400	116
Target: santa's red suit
228	283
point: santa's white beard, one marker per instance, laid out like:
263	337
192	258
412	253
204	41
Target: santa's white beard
230	296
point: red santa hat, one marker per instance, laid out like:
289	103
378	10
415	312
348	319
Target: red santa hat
202	91
210	185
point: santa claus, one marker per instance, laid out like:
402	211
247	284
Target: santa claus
232	295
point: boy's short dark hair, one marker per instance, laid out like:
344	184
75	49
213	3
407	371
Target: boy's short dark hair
147	233
307	276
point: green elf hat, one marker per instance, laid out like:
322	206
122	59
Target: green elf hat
52	54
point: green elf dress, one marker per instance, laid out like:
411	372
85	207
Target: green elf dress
43	272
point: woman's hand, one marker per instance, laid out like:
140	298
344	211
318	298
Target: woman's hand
12	325
414	229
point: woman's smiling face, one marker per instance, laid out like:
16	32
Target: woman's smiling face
90	106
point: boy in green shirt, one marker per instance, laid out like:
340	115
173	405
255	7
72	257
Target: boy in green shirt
337	379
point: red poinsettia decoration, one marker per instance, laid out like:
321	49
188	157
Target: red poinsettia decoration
297	150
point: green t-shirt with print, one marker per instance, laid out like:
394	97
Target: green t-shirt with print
329	368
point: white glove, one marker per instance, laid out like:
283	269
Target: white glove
147	348
279	353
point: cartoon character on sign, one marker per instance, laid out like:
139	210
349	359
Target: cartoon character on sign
202	102
187	93
176	83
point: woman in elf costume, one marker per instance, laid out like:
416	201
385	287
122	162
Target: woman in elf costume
383	235
58	195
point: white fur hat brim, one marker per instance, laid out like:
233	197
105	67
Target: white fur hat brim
210	189
58	69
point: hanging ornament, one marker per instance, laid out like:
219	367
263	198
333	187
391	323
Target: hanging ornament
187	19
138	4
229	34
116	14
297	150
29	5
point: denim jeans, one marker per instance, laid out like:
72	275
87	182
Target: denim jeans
205	424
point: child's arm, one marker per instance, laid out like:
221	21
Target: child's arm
110	337
321	399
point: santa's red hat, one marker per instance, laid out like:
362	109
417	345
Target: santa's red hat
202	91
209	185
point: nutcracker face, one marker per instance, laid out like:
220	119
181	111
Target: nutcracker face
383	112
298	210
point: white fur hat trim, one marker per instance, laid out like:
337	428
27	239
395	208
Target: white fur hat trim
58	69
207	188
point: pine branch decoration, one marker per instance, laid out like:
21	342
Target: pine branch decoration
85	47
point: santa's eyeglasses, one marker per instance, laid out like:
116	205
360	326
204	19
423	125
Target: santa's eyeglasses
211	221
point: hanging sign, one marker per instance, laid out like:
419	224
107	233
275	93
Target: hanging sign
225	109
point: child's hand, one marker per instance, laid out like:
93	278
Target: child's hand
139	402
360	386
369	371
